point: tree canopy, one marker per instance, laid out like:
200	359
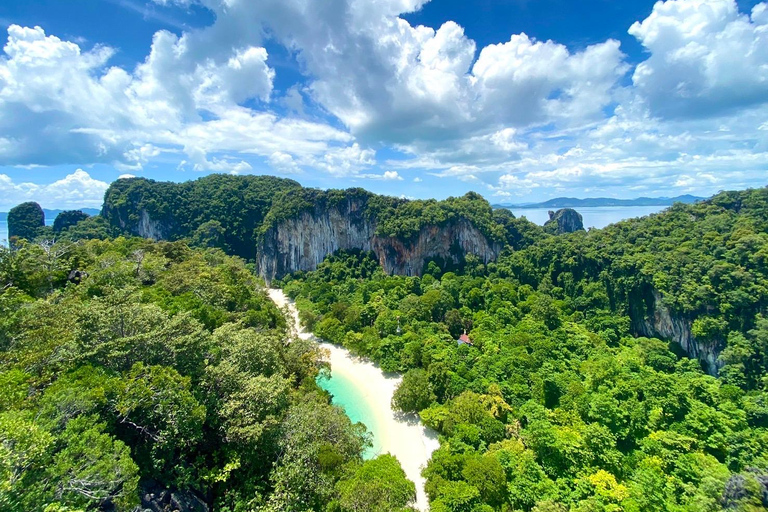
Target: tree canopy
161	366
560	403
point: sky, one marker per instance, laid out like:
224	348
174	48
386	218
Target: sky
519	100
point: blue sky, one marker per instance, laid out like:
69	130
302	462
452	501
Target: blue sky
520	100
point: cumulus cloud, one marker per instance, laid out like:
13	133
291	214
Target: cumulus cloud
524	81
283	163
706	59
520	117
76	190
391	82
62	105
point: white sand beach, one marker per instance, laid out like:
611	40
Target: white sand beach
410	441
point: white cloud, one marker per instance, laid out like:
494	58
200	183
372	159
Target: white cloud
59	105
244	76
706	59
283	163
294	100
521	116
345	161
391	176
77	190
525	81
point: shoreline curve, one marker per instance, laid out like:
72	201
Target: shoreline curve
406	438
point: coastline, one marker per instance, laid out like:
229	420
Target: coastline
407	439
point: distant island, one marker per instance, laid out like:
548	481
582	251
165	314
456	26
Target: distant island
572	202
52	214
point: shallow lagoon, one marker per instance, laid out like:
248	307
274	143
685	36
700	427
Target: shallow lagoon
356	405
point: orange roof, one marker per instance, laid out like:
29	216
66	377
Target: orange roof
465	339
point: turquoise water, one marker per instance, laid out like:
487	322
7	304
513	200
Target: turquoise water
356	406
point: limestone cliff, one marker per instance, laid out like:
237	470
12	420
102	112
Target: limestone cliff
302	242
140	224
652	318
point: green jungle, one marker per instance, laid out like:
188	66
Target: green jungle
130	366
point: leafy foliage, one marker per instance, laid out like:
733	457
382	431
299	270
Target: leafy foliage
217	210
68	219
163	365
556	406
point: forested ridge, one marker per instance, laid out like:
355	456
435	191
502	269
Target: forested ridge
233	212
218	210
557	404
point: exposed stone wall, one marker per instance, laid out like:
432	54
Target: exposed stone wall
565	220
658	321
145	227
303	242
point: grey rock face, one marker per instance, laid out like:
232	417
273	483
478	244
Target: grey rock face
303	242
566	220
737	488
450	242
156	498
145	227
659	322
149	228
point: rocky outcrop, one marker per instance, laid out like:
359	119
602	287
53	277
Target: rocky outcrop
155	498
75	276
751	485
301	243
140	223
566	220
653	319
150	228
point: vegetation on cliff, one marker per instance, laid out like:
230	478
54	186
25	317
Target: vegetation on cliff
238	204
403	218
67	219
130	364
235	212
25	221
557	405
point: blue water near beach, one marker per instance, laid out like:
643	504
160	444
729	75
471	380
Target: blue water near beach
356	406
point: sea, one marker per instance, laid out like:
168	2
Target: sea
593	217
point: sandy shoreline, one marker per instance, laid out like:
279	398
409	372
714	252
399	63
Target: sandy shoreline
411	442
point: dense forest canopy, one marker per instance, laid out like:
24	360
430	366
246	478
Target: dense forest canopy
131	367
25	220
218	210
557	403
